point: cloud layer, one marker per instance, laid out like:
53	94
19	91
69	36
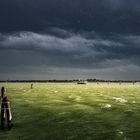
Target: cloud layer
62	54
119	16
45	39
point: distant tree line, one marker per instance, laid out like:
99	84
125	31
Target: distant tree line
122	81
68	81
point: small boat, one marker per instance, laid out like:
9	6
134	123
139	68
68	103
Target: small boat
82	82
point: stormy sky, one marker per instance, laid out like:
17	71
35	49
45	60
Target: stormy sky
70	39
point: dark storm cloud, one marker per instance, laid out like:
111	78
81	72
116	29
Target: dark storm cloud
75	50
68	55
121	16
70	38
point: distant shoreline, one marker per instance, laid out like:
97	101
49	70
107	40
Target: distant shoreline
67	81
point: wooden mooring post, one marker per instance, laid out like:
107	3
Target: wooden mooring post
6	115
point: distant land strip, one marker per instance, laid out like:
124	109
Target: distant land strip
69	81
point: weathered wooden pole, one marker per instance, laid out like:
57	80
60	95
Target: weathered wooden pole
31	86
5	110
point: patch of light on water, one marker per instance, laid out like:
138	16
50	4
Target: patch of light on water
133	102
63	113
15	89
120	100
78	98
70	96
100	94
120	133
106	106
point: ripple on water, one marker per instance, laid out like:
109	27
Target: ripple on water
120	100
